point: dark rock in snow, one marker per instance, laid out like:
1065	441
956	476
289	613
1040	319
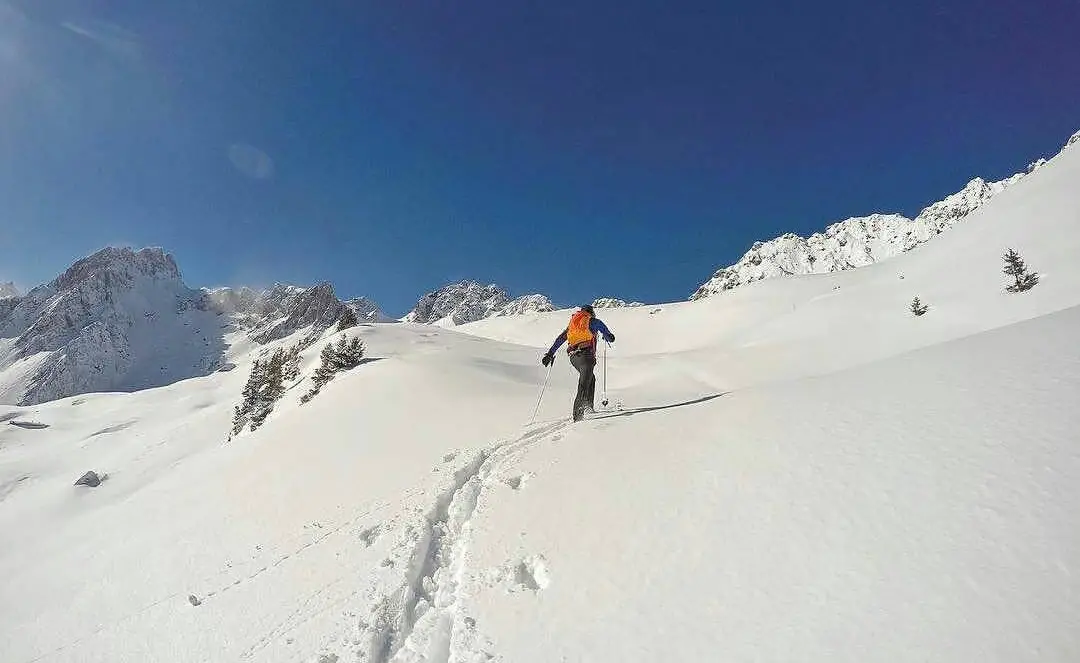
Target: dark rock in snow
91	479
29	425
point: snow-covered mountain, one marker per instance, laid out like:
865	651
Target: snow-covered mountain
117	320
858	241
123	320
469	301
281	310
8	289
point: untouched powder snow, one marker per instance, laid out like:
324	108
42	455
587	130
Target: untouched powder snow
798	469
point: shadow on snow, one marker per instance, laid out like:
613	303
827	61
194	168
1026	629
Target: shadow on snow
639	410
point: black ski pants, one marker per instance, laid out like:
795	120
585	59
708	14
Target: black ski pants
584	360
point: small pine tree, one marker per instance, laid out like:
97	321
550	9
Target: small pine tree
271	389
1015	267
344	355
352	354
250	397
918	308
291	367
347	320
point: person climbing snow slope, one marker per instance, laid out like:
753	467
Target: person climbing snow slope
580	337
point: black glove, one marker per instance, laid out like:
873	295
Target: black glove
610	338
548	359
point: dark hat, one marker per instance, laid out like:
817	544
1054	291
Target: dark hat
588	309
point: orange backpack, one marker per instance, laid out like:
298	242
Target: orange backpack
577	332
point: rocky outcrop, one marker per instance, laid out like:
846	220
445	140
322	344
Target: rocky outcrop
469	301
527	304
611	302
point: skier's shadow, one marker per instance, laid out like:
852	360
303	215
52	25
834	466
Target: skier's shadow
655	408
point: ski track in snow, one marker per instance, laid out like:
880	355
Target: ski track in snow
422	620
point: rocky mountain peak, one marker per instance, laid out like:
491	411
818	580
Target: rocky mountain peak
458	303
469	301
8	289
120	266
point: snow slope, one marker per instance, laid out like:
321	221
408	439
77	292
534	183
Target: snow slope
797	469
920	506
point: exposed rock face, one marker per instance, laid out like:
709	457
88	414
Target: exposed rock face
528	304
459	303
469	301
366	310
284	310
611	302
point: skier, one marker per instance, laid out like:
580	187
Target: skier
580	336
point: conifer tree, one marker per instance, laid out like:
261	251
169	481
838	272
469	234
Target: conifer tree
348	319
291	368
342	356
1023	279
249	397
918	308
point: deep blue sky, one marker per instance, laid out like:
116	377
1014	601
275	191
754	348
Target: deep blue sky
578	149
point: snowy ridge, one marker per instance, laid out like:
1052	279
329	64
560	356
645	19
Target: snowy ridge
8	289
469	301
858	241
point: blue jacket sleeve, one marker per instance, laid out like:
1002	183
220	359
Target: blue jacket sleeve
597	325
558	341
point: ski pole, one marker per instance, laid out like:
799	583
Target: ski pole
603	397
541	397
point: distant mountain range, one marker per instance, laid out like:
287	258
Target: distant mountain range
122	320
